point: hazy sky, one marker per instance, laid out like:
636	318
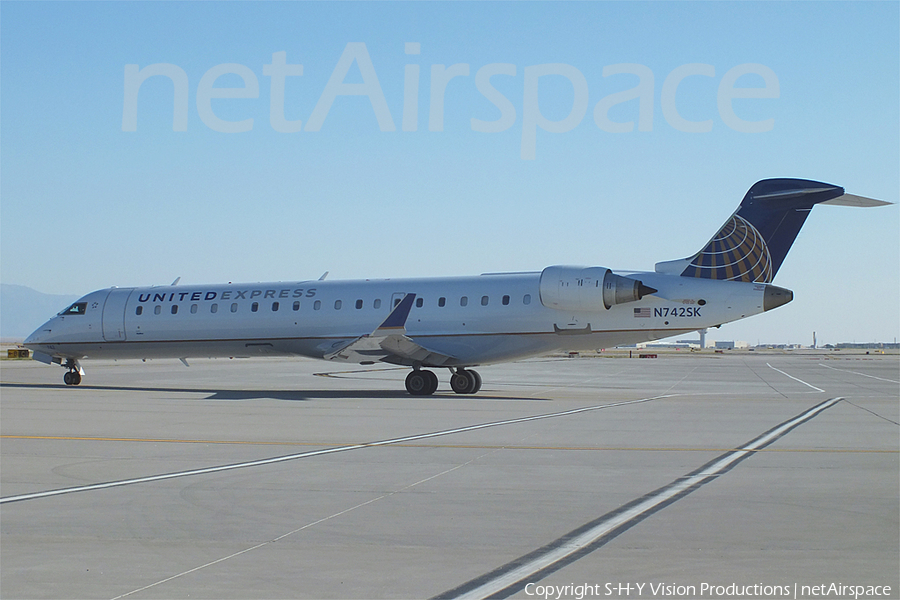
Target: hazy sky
446	139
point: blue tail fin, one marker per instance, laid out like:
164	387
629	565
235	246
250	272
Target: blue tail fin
752	244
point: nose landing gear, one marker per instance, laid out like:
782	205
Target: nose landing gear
74	373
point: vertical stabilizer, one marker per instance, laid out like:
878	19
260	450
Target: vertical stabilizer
753	243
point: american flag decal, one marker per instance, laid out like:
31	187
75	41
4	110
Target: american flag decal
642	313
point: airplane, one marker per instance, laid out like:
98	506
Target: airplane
450	322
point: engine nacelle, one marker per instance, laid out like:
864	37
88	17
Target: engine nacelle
588	288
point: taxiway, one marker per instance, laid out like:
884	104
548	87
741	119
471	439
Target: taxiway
302	479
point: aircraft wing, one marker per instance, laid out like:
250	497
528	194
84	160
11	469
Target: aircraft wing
405	351
389	343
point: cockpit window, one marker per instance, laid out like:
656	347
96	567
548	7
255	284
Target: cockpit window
79	308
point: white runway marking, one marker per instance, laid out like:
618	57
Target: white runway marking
515	575
856	373
278	459
299	529
795	379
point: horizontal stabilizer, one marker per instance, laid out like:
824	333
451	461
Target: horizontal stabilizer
853	200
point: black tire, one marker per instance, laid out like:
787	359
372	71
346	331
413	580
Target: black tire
465	381
477	377
67	378
432	382
460	382
418	383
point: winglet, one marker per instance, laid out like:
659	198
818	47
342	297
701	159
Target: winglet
401	350
397	319
388	339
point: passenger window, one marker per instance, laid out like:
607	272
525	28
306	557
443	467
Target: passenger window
157	309
377	303
442	301
337	305
174	309
275	306
317	305
214	308
234	307
505	300
139	310
296	305
526	299
464	301
193	309
359	304
254	307
484	300
419	302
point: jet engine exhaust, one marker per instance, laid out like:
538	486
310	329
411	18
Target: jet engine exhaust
618	290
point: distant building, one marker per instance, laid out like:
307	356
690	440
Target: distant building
724	345
664	345
870	346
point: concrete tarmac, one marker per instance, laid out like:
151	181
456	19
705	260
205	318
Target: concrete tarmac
742	474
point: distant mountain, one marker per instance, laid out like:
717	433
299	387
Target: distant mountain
22	309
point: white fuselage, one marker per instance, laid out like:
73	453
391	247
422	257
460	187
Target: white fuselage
476	320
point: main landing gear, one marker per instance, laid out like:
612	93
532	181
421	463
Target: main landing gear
424	383
421	383
73	375
465	382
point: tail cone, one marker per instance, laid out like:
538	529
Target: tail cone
776	296
645	290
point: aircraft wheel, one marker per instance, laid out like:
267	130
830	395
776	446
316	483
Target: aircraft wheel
421	383
465	382
459	382
76	378
477	382
432	382
67	378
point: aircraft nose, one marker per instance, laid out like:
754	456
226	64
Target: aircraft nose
34	338
39	335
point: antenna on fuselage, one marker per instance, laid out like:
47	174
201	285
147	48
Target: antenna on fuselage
177	279
324	275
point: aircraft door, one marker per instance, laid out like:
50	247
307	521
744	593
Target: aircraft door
114	314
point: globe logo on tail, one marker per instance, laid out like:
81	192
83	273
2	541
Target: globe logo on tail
737	253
